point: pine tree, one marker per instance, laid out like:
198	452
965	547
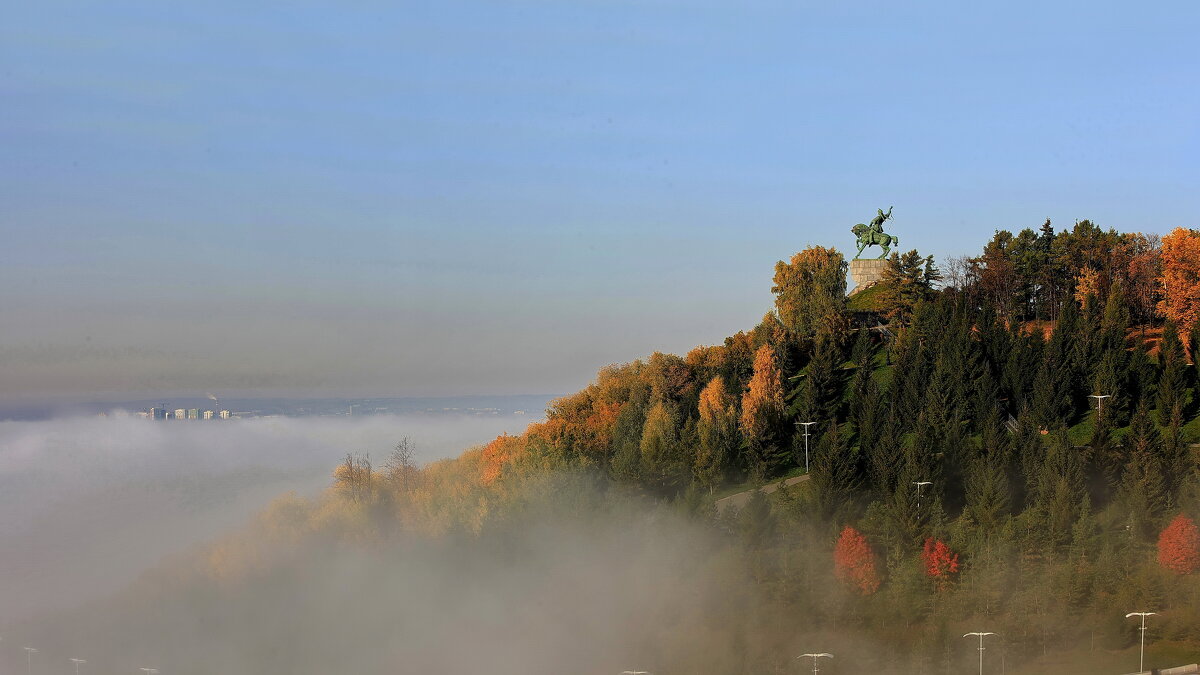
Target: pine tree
987	490
835	477
1178	464
1142	491
819	397
1172	383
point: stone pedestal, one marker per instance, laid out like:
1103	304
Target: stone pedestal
866	273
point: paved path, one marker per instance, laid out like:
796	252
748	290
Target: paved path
737	501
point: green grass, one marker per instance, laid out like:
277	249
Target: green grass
868	300
1082	660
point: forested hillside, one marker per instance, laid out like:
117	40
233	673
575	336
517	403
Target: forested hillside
1042	394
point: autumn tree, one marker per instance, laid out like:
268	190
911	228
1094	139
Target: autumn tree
763	413
1181	278
660	446
940	563
717	432
1179	546
854	562
811	289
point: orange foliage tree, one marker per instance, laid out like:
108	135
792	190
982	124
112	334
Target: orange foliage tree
854	562
716	431
1181	278
499	453
1179	546
940	562
763	408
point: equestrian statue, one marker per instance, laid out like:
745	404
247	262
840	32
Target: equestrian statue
874	234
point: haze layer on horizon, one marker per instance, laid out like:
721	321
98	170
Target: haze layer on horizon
477	197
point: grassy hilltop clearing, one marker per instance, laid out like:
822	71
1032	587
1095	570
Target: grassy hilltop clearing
1043	394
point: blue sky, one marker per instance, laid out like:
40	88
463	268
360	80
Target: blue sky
487	197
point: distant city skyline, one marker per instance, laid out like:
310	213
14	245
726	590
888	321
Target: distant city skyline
499	198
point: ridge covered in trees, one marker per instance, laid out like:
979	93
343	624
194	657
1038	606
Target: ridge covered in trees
1043	393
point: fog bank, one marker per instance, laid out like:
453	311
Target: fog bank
87	504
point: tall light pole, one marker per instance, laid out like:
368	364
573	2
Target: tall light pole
806	425
980	648
1142	650
815	657
920	484
77	663
149	671
29	652
1099	402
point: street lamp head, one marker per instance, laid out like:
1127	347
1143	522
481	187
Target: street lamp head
978	634
922	482
1141	614
816	656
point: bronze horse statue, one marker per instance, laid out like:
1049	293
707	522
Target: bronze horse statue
874	234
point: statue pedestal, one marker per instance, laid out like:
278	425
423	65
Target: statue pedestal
866	273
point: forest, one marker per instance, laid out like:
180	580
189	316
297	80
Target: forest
1001	443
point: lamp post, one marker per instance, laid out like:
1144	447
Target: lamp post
1142	649
806	425
920	484
29	652
980	648
1099	402
815	657
149	671
77	663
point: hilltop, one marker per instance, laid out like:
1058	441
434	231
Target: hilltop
961	477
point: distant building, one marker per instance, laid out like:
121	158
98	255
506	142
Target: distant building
180	414
193	414
224	414
158	413
208	414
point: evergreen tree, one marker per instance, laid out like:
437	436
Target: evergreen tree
835	477
1143	493
1172	384
987	490
819	396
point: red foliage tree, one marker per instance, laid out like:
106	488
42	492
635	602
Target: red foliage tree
1179	546
940	562
854	562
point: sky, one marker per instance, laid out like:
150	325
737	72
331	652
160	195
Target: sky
465	197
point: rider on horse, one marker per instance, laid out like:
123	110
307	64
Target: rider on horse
876	224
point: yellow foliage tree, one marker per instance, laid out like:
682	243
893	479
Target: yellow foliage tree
811	289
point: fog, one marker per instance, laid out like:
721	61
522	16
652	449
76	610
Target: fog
87	504
581	582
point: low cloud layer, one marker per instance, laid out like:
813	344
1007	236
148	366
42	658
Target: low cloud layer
87	504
